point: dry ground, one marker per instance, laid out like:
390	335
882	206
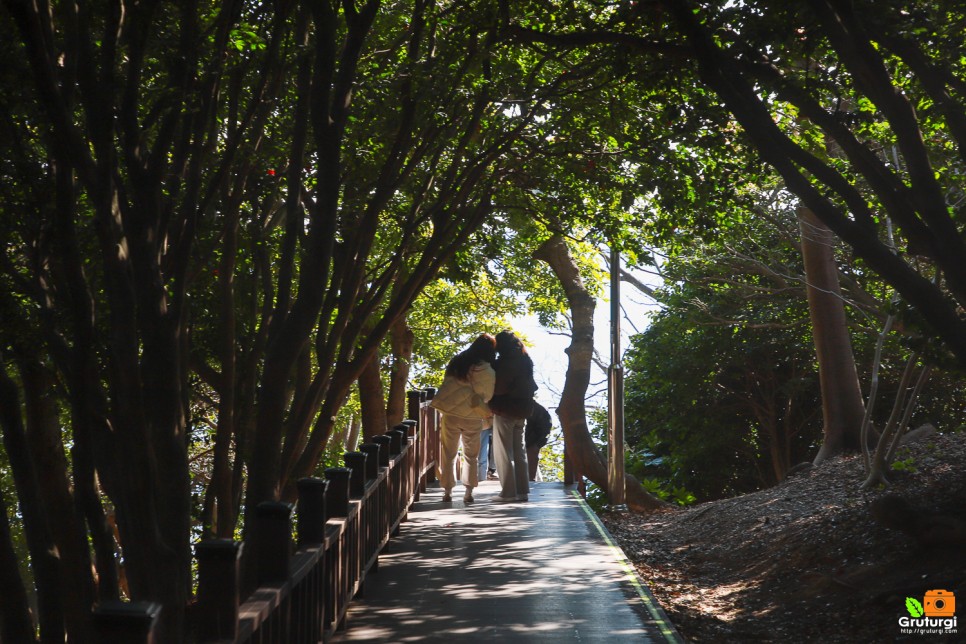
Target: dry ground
806	561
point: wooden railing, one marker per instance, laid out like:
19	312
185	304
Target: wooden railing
342	522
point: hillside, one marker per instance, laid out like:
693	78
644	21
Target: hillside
806	561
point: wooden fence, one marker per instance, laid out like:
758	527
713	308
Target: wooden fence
342	522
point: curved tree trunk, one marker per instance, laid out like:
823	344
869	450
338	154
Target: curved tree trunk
842	406
571	410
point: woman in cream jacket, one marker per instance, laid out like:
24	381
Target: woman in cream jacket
462	398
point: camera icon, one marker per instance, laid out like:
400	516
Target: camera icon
939	603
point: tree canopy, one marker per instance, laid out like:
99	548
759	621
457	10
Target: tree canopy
214	214
855	106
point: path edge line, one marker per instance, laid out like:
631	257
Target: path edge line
653	607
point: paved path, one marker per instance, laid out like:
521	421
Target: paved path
541	571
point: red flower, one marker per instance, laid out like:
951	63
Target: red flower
271	173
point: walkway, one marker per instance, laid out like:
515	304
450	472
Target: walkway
541	571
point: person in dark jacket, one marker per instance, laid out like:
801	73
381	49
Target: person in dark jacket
535	436
511	405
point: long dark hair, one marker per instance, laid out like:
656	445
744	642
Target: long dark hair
507	343
482	349
512	352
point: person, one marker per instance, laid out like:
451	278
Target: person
511	404
461	399
486	437
491	462
535	436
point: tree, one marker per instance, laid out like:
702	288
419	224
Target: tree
571	409
120	141
433	182
15	623
216	215
875	74
873	78
842	407
722	393
722	387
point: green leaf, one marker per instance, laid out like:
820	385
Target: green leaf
914	607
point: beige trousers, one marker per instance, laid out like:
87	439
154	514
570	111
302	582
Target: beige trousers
453	429
510	456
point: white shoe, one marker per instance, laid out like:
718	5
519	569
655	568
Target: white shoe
502	499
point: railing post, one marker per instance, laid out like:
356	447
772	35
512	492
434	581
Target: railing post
337	493
356	462
410	425
311	511
371	450
413	398
273	541
400	475
414	461
397	436
126	622
430	434
384	442
218	594
308	614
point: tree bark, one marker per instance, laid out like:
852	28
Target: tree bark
401	338
897	424
15	622
46	567
571	410
842	406
352	434
223	514
60	510
371	400
88	406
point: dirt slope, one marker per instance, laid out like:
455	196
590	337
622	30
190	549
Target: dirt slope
806	561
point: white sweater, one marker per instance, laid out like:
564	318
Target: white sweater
467	399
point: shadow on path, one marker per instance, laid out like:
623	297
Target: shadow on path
540	571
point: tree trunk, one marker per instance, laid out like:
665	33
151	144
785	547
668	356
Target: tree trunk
897	424
770	435
842	406
46	567
60	511
352	434
15	622
401	338
222	515
571	410
371	400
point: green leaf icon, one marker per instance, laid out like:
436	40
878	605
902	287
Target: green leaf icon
914	607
